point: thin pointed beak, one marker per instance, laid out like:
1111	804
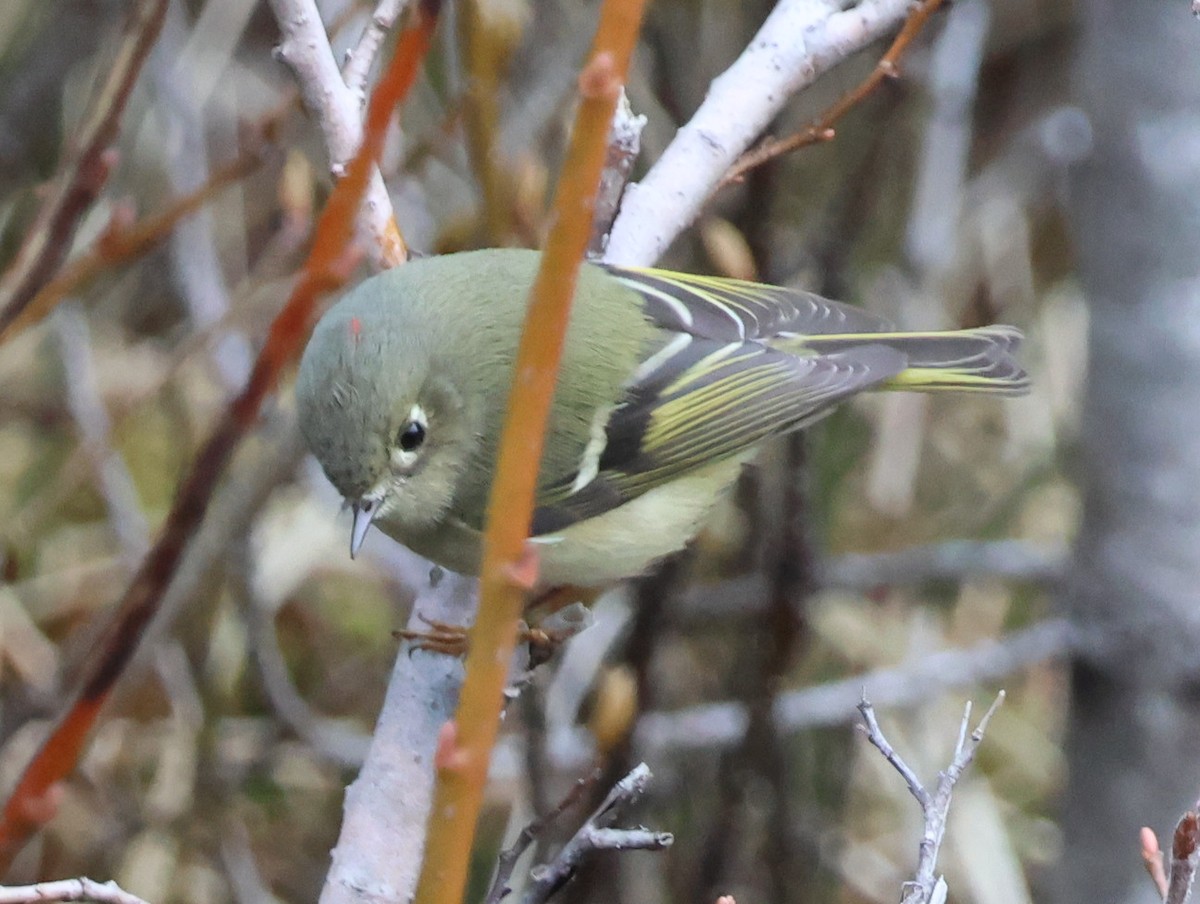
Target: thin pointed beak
365	511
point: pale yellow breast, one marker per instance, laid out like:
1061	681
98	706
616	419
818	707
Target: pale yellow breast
597	552
629	539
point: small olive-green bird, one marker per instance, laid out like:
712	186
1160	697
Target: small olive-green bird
668	384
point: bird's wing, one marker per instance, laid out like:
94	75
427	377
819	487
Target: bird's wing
728	310
698	401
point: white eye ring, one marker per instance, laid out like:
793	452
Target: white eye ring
411	438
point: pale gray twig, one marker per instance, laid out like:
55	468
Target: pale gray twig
926	888
253	475
596	835
68	890
715	726
357	66
932	234
87	408
305	48
799	42
624	144
508	858
953	561
720	724
332	739
378	854
245	879
184	82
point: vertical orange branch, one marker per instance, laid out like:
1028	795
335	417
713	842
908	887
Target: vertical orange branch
464	749
34	799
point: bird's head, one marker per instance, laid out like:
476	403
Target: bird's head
383	417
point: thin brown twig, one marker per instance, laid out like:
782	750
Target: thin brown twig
123	242
287	241
822	128
486	46
84	169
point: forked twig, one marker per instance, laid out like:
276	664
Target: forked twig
925	887
822	128
508	858
596	835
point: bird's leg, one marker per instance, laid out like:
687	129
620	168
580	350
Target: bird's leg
544	638
450	640
547	634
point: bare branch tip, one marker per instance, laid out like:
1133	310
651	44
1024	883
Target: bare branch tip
1187	836
522	572
448	755
600	78
977	734
1154	860
1149	842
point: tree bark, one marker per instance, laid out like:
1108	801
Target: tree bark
1133	745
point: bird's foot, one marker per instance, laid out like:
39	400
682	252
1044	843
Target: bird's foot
544	639
547	636
442	637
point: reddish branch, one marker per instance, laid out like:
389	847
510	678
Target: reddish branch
33	801
822	128
84	170
508	566
123	242
1185	850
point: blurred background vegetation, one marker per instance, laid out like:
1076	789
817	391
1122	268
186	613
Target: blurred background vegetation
218	772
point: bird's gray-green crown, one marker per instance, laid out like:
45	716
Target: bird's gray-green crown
356	372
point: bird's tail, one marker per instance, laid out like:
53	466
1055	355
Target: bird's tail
975	360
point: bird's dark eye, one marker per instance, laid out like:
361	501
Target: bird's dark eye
412	435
